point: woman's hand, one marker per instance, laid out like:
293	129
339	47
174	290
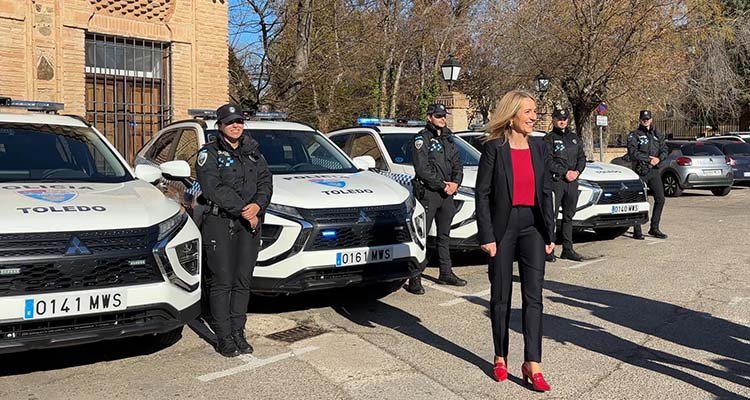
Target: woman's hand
549	248
489	248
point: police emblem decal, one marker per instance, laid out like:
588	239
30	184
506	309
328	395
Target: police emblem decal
202	157
418	143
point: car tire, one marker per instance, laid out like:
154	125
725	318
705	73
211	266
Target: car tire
671	185
165	339
722	191
611	233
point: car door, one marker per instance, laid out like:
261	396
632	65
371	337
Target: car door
364	144
187	145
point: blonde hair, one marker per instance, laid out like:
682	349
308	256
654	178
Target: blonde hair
500	124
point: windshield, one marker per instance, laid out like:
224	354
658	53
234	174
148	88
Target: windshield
700	149
399	147
53	153
737	149
294	152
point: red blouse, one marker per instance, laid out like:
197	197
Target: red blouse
523	177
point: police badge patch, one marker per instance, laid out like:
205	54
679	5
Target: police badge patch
202	157
418	143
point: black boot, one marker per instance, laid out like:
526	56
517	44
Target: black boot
638	233
655	232
242	345
570	254
551	257
450	278
415	285
226	347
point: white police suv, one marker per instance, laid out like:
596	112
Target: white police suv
611	198
386	144
88	251
331	223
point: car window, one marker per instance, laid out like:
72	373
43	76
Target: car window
737	149
700	149
53	153
399	147
187	148
163	147
340	140
364	144
297	152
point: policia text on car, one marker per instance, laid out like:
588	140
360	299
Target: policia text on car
646	150
568	162
439	172
237	185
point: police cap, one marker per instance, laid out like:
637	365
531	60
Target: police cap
560	113
437	110
644	115
228	113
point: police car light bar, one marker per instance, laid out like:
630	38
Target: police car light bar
272	116
366	121
42	106
412	122
201	113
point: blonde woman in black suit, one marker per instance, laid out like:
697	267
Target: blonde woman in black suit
516	221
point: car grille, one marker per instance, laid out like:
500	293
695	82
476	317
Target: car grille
358	227
619	192
37	263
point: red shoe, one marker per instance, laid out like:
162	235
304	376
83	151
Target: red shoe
500	371
537	380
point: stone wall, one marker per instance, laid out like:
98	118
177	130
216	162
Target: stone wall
42	51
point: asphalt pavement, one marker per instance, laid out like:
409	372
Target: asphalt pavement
666	319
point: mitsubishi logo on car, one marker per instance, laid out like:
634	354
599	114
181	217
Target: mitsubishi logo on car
623	186
363	218
76	247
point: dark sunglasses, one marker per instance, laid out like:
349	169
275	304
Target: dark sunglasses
236	121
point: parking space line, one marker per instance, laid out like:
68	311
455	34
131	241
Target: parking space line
252	362
445	289
585	263
466	298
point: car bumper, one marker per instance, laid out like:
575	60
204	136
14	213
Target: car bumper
741	176
331	277
696	180
59	332
601	216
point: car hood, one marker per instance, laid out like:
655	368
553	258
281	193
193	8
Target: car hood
70	206
336	190
599	171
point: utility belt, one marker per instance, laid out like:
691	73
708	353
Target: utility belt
217	211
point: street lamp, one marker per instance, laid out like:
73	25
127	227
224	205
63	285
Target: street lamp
451	68
542	83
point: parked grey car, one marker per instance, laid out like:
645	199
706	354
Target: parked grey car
738	156
696	165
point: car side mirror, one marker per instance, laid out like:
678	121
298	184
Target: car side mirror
147	173
364	162
175	170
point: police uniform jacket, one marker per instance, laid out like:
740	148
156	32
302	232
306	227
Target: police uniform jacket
436	158
567	152
644	143
233	178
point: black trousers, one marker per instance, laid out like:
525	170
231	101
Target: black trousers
566	194
441	209
656	188
231	250
522	240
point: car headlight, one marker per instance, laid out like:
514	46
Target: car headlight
172	224
284	211
466	191
595	190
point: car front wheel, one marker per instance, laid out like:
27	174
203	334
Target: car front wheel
671	185
723	191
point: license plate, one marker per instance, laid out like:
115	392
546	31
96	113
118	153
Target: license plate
711	172
624	208
365	256
41	307
747	174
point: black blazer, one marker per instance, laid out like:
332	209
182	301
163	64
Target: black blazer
494	190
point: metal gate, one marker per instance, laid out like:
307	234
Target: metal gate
128	89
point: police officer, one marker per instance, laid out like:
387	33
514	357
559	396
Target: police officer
647	149
237	186
568	162
439	172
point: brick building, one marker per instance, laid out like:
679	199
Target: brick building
128	66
